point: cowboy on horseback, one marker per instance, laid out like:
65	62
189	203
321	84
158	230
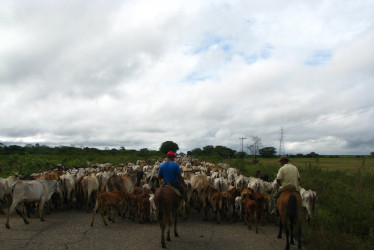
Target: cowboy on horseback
171	174
288	178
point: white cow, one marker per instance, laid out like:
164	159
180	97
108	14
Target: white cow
5	185
256	184
68	189
53	187
240	182
152	210
309	200
28	191
90	187
197	181
221	184
238	207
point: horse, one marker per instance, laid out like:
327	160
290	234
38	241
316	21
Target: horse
290	210
168	203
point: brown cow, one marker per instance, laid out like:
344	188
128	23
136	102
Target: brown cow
109	200
250	208
117	182
216	201
251	213
143	208
262	201
207	190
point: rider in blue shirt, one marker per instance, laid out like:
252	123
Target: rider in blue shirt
171	172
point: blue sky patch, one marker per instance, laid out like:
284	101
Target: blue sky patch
318	58
211	40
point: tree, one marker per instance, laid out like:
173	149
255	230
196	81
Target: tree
208	150
143	152
267	152
168	146
312	155
240	155
255	147
224	152
196	152
372	153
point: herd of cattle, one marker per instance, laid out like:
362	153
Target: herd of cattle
130	188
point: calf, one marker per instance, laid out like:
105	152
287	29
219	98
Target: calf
251	213
228	204
109	200
216	201
262	205
207	190
143	208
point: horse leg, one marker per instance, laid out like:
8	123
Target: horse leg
291	233
169	224
280	230
163	226
175	225
286	229
299	236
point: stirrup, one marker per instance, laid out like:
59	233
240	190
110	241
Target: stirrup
275	212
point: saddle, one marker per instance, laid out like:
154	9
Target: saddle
290	188
177	192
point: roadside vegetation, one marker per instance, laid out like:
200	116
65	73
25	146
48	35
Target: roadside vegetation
344	218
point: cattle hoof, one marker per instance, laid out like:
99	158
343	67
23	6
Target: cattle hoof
279	236
41	219
7	226
91	224
163	245
176	234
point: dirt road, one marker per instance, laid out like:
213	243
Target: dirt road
72	230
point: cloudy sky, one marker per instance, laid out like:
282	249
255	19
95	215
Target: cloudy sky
136	73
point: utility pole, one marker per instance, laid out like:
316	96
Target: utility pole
242	138
281	143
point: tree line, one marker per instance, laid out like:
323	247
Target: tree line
255	150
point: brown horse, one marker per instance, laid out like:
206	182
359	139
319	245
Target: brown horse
167	204
290	210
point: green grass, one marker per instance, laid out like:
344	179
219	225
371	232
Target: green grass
345	210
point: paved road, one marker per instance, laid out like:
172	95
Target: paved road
72	230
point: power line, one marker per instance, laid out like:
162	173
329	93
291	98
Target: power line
242	138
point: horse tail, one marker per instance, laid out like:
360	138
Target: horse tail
161	201
292	208
160	215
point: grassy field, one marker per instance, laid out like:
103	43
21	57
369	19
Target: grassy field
344	217
346	164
